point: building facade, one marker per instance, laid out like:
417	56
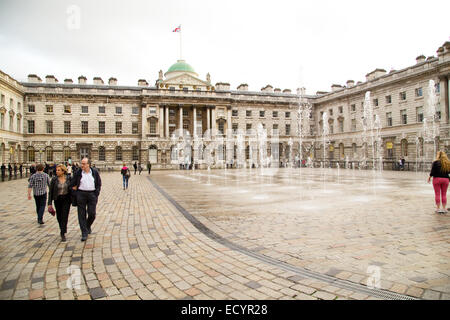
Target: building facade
182	118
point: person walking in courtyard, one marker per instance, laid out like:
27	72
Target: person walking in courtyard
440	172
59	192
125	176
32	169
15	170
21	169
87	183
69	170
139	168
10	170
3	171
149	167
135	167
38	183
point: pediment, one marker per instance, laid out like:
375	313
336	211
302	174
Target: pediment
185	79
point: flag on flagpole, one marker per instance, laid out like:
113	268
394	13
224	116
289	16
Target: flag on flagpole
177	29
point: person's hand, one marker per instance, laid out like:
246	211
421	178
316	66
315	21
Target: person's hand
50	207
29	197
429	179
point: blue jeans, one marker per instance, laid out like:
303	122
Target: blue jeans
125	181
40	205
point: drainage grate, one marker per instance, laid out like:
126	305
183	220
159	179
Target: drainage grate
343	284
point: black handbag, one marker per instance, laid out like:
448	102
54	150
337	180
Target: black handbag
73	197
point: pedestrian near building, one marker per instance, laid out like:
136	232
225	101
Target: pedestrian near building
139	168
125	172
149	167
32	169
440	171
87	184
60	193
135	167
3	168
69	170
10	169
15	170
38	183
21	169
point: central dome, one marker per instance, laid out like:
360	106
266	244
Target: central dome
181	66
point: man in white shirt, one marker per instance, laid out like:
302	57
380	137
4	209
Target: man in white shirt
87	184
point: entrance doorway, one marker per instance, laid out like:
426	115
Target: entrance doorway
153	154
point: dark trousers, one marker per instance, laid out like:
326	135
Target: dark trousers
86	204
40	205
62	207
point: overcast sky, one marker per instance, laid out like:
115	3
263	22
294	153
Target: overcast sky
287	44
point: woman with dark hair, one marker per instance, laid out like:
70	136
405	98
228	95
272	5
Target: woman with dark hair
59	192
125	172
440	171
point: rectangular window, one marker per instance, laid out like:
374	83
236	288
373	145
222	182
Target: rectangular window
185	89
353	125
388	99
287	114
171	113
135	110
49	126
2	99
375	102
341	109
404	116
234	113
403	95
152	126
18	125
275	114
67	109
248	113
275	129
118	110
235	128
2	120
418	92
261	114
419	114
118	127
66	126
11	123
152	110
135	127
437	87
248	127
31	108
101	154
101	127
84	127
135	151
101	109
185	112
389	119
221	127
30	126
331	129
341	126
331	112
353	107
49	108
84	109
438	111
288	129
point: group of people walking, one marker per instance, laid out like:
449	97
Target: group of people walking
81	190
126	173
15	167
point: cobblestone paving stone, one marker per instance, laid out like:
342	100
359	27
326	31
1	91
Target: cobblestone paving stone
334	224
142	247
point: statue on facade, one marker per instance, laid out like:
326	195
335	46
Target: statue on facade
208	77
160	76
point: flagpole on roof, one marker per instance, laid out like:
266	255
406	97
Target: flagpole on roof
180	41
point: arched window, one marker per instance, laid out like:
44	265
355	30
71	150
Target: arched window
135	151
404	148
118	153
174	153
101	154
66	153
30	154
49	154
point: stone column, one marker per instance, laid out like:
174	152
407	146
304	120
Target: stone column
444	97
194	129
181	120
213	119
144	121
161	121
229	125
208	118
167	122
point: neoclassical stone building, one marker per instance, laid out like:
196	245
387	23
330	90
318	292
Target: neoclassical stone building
52	121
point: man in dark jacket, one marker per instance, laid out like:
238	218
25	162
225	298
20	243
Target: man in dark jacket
135	167
10	170
3	171
88	184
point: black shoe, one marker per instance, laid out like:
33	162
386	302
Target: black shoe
89	230
41	221
63	238
83	238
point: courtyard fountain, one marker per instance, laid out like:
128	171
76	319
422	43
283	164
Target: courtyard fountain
371	134
430	127
303	116
325	136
